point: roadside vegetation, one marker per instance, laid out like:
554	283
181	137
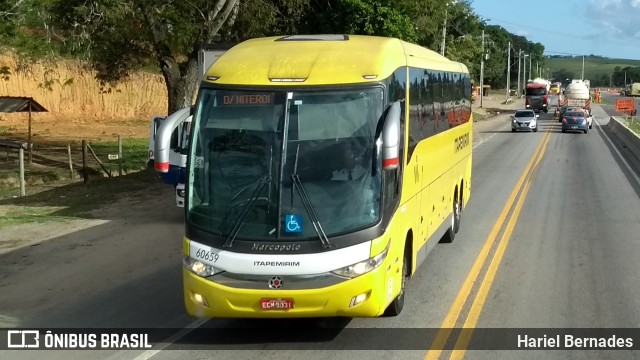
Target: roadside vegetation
635	126
72	199
601	71
54	193
52	166
115	41
134	154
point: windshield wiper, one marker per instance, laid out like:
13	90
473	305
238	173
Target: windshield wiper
297	184
245	210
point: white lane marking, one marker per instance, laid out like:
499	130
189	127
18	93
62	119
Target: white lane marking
626	164
482	141
164	344
175	337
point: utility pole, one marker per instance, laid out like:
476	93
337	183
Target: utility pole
444	32
530	57
582	75
508	71
524	70
519	68
482	71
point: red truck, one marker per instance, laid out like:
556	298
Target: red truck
536	97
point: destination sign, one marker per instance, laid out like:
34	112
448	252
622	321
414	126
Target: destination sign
247	99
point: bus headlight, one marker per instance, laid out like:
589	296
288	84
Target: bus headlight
199	268
363	267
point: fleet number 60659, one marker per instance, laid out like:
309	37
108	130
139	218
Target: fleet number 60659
207	255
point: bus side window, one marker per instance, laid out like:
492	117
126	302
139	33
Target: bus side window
184	141
175	138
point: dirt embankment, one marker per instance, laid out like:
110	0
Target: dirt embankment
78	105
494	105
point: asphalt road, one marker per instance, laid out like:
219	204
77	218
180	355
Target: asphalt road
549	239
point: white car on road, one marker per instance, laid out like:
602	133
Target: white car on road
524	120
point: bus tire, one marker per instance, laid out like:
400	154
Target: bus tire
450	235
459	214
396	306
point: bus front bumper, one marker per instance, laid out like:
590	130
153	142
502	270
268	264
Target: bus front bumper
205	298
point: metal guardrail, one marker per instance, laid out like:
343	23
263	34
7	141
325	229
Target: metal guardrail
13	144
630	139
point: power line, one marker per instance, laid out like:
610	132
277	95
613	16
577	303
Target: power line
583	38
562	53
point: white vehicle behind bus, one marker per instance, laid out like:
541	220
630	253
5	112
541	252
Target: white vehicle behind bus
180	122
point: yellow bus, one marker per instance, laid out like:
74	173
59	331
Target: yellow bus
322	170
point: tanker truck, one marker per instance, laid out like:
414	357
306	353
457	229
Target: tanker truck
544	82
576	95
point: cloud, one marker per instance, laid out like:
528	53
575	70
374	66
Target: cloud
614	17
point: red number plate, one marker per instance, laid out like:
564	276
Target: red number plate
276	304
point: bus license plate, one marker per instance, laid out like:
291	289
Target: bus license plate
276	304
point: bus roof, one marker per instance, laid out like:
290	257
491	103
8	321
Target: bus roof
321	60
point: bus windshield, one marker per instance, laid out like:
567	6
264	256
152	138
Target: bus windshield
248	146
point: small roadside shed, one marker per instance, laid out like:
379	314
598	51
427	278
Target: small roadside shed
11	104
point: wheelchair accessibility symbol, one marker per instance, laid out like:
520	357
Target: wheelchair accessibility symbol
293	223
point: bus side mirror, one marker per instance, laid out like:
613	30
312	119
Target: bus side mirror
163	139
391	138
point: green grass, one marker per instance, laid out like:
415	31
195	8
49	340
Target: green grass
478	116
51	194
635	126
29	216
134	154
593	67
75	200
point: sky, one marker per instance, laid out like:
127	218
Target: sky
609	28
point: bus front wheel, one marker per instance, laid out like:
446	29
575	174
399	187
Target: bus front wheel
397	304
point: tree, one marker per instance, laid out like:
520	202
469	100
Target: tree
9	18
427	17
497	44
563	74
118	36
259	18
121	36
29	44
464	36
363	17
628	73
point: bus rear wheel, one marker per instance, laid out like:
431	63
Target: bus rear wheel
450	235
396	306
